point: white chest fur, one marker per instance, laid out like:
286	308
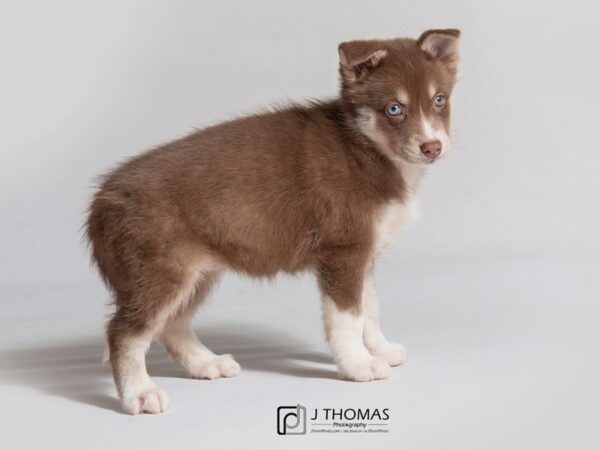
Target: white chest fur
392	218
396	216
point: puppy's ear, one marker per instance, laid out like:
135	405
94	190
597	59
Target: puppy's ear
359	58
442	45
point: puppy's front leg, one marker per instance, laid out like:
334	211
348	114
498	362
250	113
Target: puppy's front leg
341	280
394	353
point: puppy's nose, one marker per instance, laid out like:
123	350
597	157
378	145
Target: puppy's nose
431	149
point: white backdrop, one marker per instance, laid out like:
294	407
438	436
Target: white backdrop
86	84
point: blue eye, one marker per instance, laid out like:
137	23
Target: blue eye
439	100
395	109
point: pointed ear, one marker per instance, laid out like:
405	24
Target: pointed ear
358	59
442	45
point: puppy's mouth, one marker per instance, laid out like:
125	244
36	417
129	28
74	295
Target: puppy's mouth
418	158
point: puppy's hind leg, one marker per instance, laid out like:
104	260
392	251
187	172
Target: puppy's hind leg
183	345
136	322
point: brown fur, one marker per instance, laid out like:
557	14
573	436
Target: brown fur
284	191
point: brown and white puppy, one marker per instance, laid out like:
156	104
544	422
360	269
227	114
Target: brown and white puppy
319	187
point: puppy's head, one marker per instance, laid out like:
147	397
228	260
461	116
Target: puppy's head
399	92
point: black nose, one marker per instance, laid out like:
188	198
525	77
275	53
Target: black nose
431	149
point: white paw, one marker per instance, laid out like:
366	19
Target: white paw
368	369
394	353
217	367
152	401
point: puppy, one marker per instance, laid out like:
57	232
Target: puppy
318	188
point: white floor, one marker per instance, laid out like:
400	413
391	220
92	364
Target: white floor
502	354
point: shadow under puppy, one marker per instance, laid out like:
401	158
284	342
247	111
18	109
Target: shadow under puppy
320	187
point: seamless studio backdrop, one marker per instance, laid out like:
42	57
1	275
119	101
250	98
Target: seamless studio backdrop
495	291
